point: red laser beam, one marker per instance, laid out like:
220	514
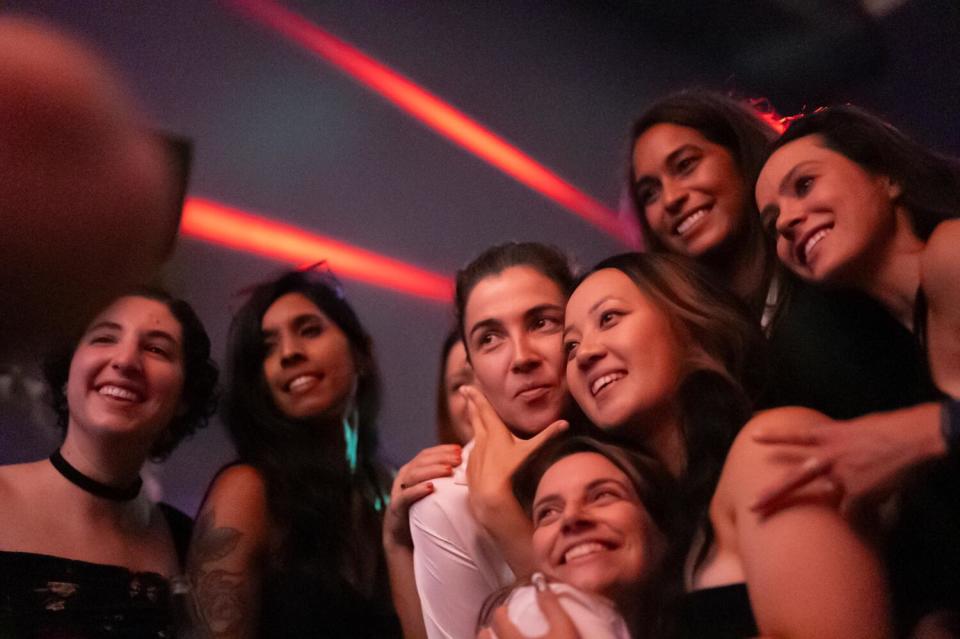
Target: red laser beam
431	111
227	226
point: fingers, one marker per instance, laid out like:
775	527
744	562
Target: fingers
492	423
770	499
486	633
401	501
561	626
473	413
503	627
414	476
543	436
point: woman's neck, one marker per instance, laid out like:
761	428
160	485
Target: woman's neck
743	267
663	437
893	276
114	466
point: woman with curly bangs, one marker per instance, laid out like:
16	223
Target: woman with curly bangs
695	156
288	539
83	551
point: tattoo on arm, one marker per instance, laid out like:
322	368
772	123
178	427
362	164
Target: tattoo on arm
220	594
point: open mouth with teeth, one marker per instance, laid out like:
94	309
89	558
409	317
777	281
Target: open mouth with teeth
691	220
119	393
302	383
604	381
805	248
585	549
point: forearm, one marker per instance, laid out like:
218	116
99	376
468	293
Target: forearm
403	590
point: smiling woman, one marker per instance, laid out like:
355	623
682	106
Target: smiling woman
601	516
288	539
83	551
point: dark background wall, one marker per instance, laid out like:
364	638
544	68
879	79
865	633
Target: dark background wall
280	132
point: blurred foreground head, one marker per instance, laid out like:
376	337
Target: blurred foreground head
89	198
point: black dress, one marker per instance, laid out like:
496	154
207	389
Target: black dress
723	612
843	354
47	597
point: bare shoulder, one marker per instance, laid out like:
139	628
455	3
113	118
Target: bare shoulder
237	498
18	479
940	262
750	465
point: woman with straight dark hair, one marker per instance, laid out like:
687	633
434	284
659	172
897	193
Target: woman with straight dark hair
288	540
695	159
859	205
83	551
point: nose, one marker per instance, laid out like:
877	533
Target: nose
126	357
589	352
575	518
525	357
290	351
789	220
674	196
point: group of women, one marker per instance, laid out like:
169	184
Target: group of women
750	429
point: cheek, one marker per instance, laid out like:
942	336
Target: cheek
456	404
542	541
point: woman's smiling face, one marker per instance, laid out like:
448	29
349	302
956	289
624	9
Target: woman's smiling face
308	366
126	375
624	360
690	190
590	528
831	215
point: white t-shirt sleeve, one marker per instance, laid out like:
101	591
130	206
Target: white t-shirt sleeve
451	564
594	616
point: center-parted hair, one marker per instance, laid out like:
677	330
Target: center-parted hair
725	367
324	516
547	260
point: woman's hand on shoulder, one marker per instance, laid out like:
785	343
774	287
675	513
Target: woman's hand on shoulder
226	553
412	483
857	462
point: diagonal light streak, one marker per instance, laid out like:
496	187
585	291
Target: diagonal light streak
431	111
227	226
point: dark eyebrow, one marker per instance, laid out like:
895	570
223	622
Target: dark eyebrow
791	174
670	159
601	301
158	334
540	309
105	324
297	322
596	482
680	151
486	323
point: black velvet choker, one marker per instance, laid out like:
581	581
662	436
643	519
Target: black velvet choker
93	486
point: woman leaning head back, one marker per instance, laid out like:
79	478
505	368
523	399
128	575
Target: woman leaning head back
618	506
658	353
849	173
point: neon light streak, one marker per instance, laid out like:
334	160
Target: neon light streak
236	229
431	111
